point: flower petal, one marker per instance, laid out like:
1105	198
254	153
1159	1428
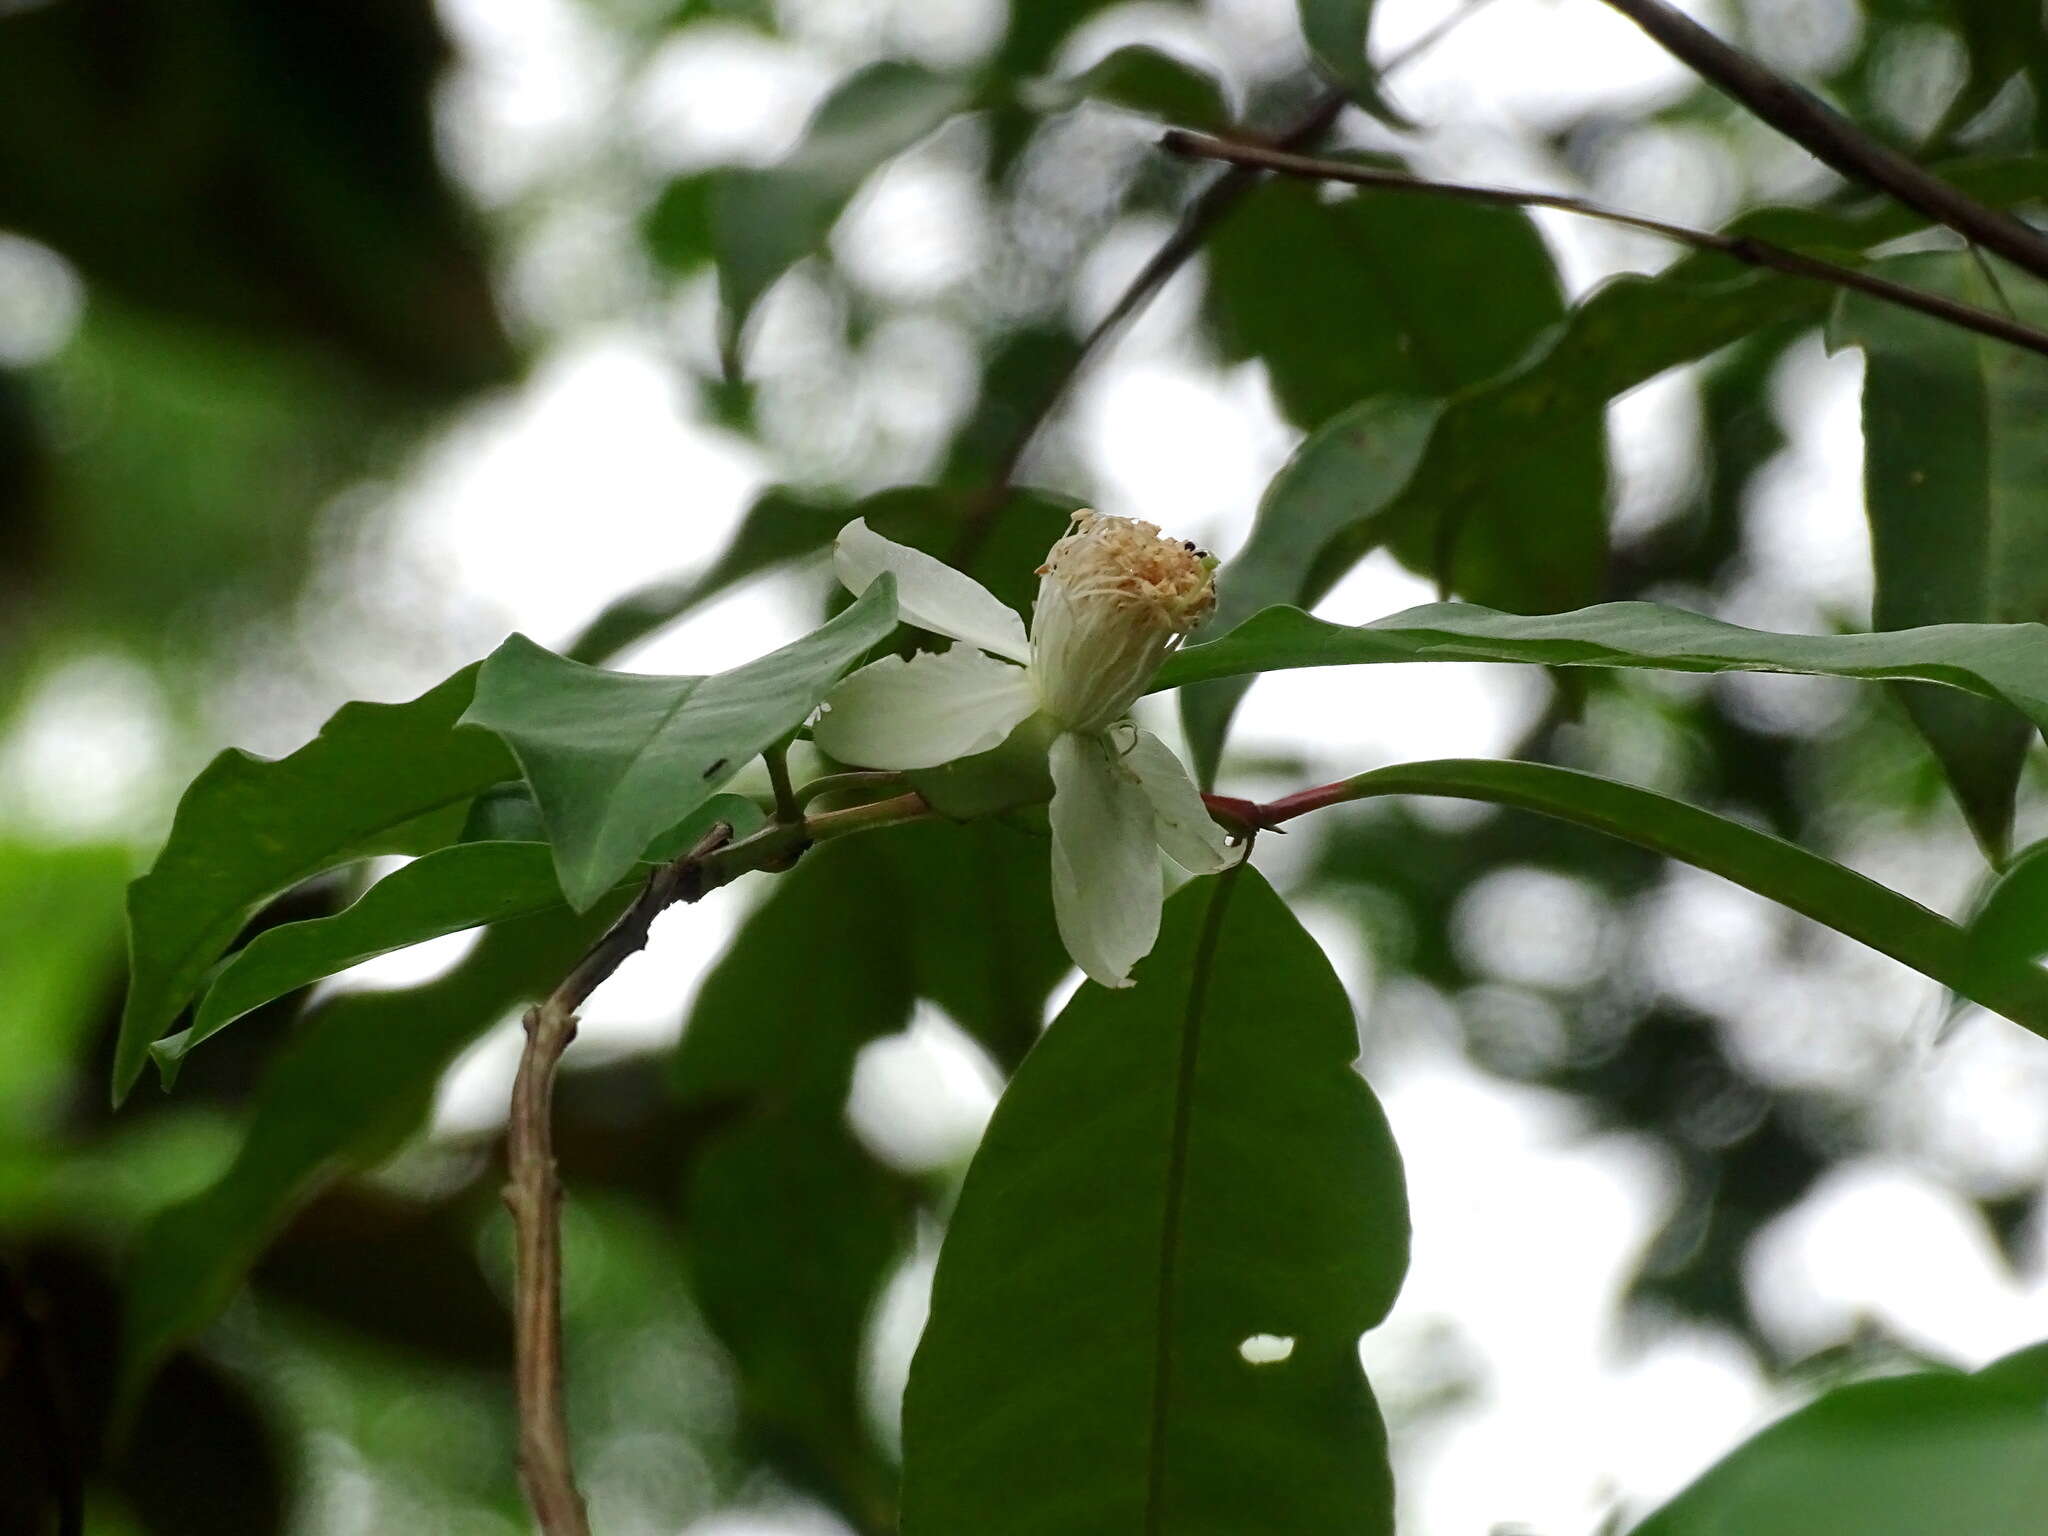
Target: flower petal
1107	886
926	711
1186	831
930	593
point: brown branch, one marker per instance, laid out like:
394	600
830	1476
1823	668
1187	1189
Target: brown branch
533	1191
1832	138
1743	248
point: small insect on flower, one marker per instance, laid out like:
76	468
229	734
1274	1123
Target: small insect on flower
1115	597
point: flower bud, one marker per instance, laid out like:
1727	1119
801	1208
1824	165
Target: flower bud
1114	597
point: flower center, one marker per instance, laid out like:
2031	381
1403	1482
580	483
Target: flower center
1114	598
1119	557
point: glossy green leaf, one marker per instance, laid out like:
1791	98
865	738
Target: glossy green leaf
1936	1453
379	778
1144	80
1786	873
1177	1168
781	1201
614	758
1336	31
463	886
2007	663
765	220
1955	434
1351	465
354	1082
1372	295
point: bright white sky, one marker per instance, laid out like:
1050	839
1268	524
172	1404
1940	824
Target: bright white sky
535	508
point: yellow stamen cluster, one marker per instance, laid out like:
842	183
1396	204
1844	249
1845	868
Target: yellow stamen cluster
1114	596
1122	557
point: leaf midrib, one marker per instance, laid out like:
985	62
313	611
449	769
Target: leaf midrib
1176	1189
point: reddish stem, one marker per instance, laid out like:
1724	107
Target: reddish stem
1250	816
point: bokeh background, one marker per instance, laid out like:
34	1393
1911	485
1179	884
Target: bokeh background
339	340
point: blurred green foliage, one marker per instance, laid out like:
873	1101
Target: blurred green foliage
290	1301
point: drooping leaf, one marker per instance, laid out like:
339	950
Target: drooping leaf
1808	884
1505	507
765	220
1144	80
1955	442
463	886
781	1204
1336	32
1353	463
352	1084
1177	1169
379	778
1929	1454
1378	294
615	758
2006	663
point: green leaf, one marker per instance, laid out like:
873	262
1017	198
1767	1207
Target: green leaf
2007	663
1377	293
1507	504
1955	434
1935	1453
676	228
356	1080
60	931
781	1201
456	888
1335	31
2010	925
379	778
1805	882
615	758
977	910
1352	464
1176	1168
1143	80
765	220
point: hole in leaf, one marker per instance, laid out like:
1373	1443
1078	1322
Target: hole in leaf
1265	1349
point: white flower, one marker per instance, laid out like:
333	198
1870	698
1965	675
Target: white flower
1113	599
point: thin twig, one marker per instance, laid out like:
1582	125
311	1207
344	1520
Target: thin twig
1743	248
1196	221
533	1192
1832	138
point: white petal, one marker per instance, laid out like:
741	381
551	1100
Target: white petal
923	712
1186	831
1107	885
930	593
